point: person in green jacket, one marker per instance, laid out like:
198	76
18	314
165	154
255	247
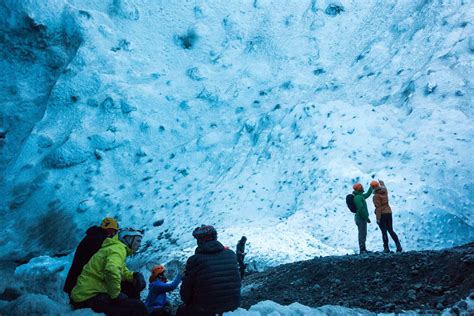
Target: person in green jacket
362	215
100	284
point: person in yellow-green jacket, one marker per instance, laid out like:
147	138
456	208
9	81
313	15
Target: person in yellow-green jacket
105	284
361	216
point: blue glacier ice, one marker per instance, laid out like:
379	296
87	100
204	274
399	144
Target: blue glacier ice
254	116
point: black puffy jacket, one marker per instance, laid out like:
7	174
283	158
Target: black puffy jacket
211	283
88	246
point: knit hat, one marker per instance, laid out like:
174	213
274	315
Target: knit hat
109	222
357	187
205	233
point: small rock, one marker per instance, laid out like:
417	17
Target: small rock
430	88
99	154
440	305
334	9
437	289
85	205
389	306
459	93
411	295
462	305
316	287
455	311
468	258
158	222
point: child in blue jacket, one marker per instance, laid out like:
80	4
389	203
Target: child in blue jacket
156	301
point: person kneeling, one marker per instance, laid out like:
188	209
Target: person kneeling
157	302
105	284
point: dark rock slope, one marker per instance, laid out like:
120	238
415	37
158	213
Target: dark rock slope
425	281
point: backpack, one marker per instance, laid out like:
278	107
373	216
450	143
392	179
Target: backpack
350	203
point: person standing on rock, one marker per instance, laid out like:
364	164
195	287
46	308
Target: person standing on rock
361	216
383	212
240	251
211	282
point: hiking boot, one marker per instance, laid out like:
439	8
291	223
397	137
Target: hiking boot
399	249
386	250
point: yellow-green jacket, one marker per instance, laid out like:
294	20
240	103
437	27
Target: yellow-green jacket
104	272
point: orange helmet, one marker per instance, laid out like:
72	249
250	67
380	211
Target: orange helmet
357	187
156	272
374	184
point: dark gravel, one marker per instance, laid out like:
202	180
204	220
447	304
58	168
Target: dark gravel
426	281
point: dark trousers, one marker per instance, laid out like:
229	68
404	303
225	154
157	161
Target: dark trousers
241	269
130	289
161	312
386	225
362	228
165	311
102	303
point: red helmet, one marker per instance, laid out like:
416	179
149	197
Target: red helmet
358	187
374	184
156	272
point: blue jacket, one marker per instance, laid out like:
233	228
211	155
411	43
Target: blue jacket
157	289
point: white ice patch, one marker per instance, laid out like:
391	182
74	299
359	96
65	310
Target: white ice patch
44	275
37	304
269	308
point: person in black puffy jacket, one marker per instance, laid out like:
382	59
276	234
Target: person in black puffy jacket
211	282
88	246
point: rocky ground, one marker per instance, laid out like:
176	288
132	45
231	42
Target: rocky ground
425	281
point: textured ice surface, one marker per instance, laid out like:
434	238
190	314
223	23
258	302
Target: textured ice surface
253	116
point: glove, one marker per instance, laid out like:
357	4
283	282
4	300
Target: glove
368	220
378	222
120	297
139	281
